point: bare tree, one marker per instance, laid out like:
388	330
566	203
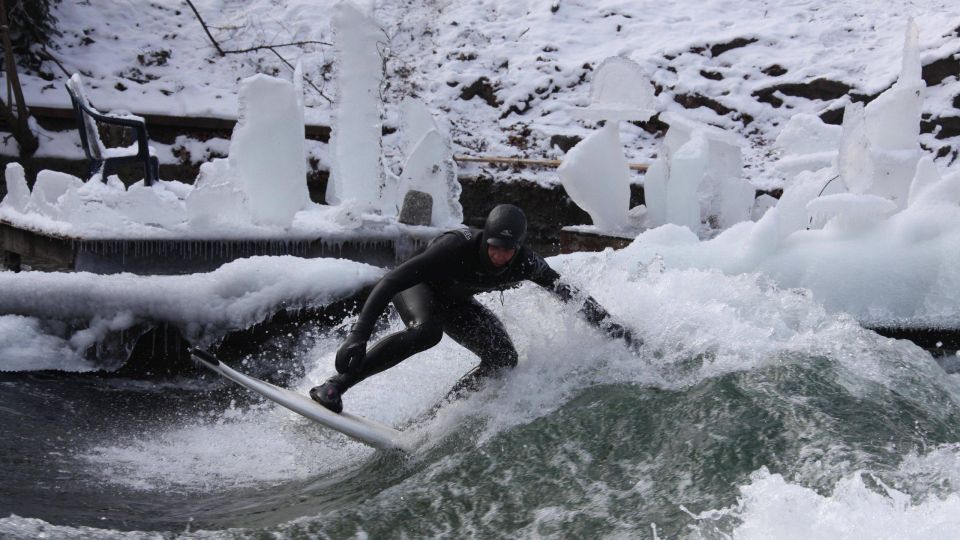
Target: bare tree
16	113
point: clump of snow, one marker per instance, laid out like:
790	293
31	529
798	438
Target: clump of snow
48	189
28	344
880	147
356	172
849	210
853	162
264	179
928	188
430	168
267	149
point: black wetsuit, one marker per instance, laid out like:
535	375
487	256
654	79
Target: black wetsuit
433	293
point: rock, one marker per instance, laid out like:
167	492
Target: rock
417	208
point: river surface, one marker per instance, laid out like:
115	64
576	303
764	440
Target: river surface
750	412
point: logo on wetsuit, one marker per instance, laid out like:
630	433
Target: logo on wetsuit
507	233
466	233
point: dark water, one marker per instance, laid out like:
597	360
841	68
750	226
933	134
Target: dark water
613	459
766	418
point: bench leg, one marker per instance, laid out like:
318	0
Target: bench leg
151	171
12	261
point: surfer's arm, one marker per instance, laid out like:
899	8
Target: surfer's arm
589	308
426	266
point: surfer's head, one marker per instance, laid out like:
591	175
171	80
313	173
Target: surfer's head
503	235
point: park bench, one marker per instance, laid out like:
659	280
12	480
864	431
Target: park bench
105	160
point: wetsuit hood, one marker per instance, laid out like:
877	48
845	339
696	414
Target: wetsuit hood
506	227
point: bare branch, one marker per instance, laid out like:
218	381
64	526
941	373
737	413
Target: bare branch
271	47
49	56
284	60
205	29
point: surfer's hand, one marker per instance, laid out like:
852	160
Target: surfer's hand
618	331
351	353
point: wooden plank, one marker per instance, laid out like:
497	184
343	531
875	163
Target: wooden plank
57	250
575	241
528	162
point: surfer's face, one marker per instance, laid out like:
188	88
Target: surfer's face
499	257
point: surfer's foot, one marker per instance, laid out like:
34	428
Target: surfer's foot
328	395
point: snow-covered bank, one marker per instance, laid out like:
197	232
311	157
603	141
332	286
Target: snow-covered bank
68	313
508	74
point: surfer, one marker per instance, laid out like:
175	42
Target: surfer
433	293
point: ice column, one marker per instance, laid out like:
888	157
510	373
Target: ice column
698	172
264	179
267	150
893	126
18	194
355	142
595	172
429	166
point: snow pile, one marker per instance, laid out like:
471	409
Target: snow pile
883	268
595	172
73	312
264	179
697	178
62	203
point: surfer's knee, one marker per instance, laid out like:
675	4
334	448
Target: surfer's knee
427	334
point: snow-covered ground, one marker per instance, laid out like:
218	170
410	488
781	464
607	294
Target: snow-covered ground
506	74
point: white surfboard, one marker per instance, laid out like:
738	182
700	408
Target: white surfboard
369	432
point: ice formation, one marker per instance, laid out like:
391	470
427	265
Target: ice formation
595	172
264	179
807	144
18	193
356	173
596	176
429	165
880	148
697	177
267	149
48	189
619	91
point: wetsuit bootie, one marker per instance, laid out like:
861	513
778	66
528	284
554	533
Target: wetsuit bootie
328	395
